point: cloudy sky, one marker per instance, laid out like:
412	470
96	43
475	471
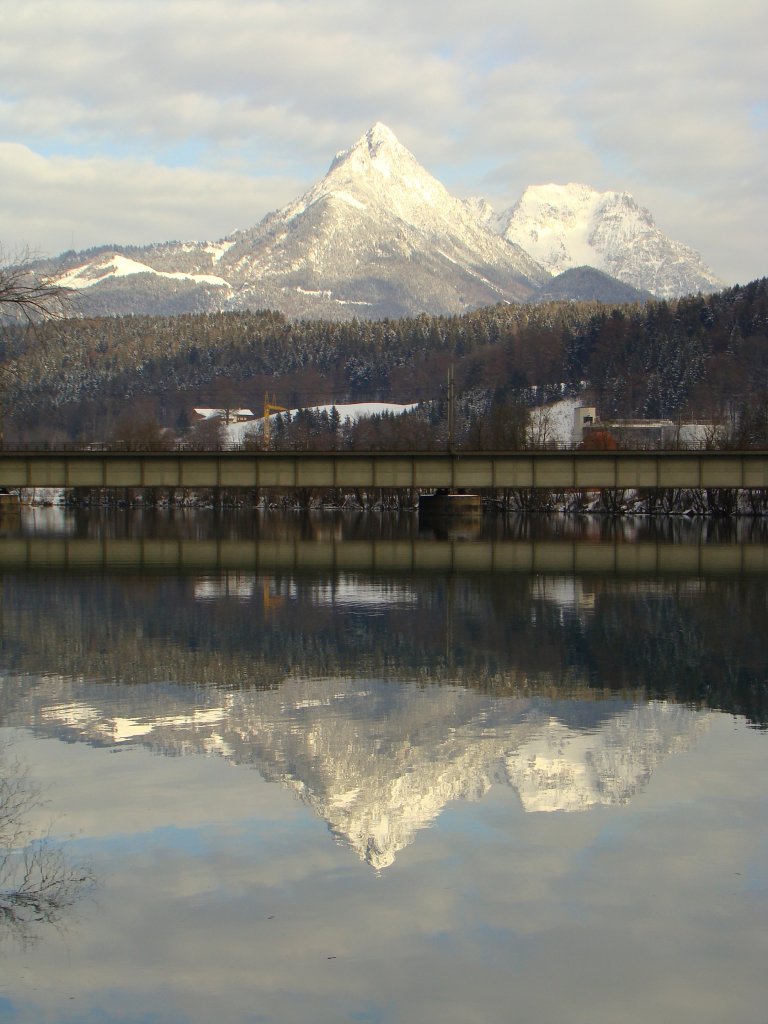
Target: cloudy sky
132	121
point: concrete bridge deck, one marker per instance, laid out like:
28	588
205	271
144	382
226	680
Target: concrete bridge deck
545	469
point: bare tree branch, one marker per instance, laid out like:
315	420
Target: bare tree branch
25	295
38	881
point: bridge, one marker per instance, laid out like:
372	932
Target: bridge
423	470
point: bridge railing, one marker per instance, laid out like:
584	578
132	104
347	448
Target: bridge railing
182	447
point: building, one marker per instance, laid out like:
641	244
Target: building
644	433
226	415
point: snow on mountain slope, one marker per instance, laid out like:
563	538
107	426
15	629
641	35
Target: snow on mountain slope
381	234
116	265
566	226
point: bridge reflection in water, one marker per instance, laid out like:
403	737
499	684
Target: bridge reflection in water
402	555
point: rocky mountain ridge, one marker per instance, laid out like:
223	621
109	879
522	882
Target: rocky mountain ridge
568	226
379	236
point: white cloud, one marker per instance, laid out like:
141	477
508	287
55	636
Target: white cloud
52	204
168	120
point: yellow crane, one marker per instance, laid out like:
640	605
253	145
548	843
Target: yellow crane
269	408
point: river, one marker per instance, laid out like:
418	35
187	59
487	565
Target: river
328	768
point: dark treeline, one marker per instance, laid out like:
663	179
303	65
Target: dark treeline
700	357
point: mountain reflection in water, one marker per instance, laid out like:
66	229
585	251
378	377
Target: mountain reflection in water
380	699
378	761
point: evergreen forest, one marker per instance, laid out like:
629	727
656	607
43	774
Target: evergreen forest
702	357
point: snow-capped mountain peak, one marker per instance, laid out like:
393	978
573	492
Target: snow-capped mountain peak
378	147
380	166
566	226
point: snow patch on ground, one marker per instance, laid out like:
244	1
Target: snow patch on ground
236	433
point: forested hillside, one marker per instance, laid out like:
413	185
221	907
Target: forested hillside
700	357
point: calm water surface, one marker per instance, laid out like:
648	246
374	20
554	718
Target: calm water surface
328	783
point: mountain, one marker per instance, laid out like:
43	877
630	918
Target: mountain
567	226
378	236
382	236
586	284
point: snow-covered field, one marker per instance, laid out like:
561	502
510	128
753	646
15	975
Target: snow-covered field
235	433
